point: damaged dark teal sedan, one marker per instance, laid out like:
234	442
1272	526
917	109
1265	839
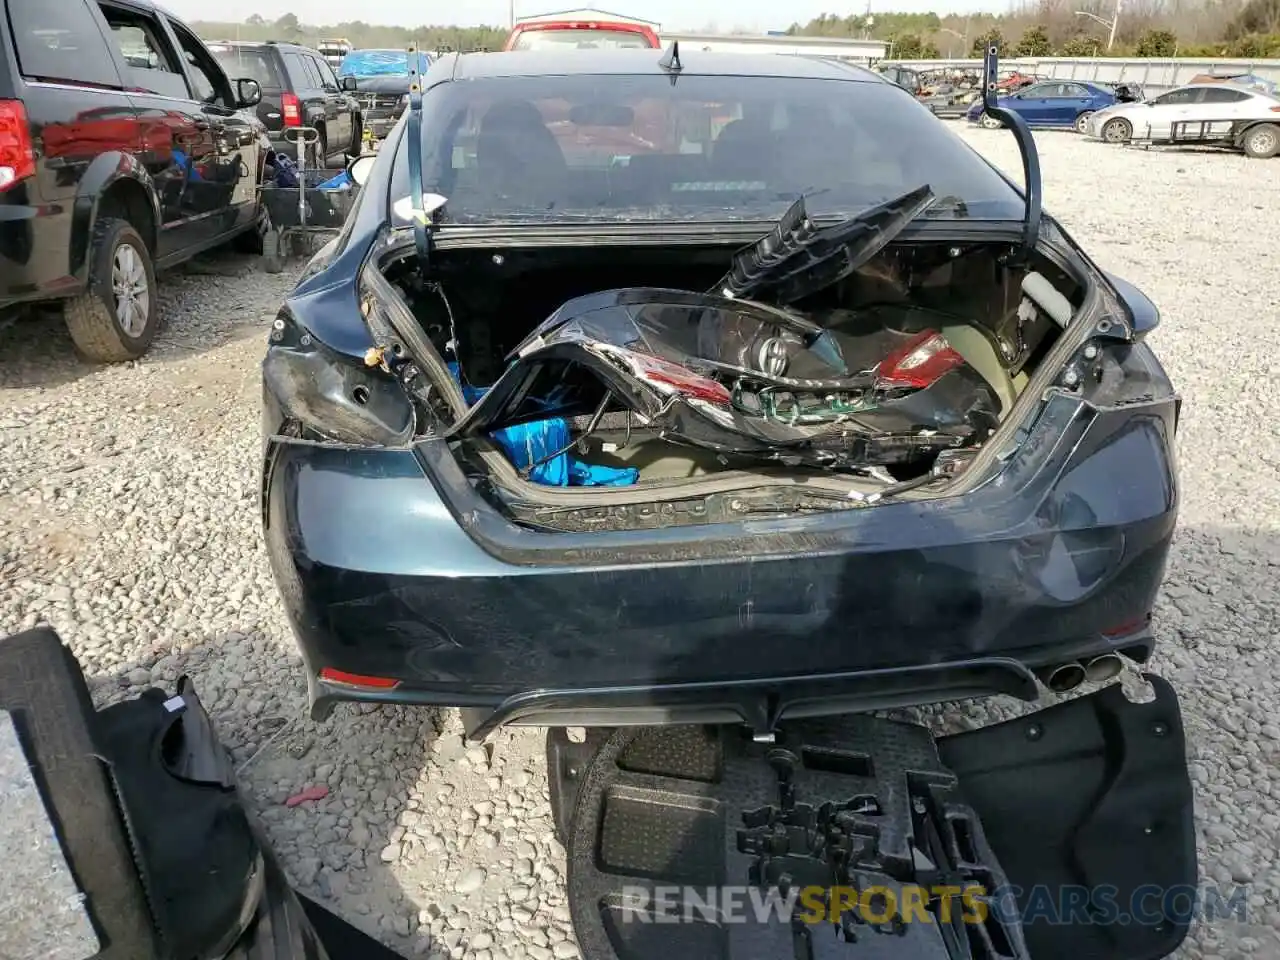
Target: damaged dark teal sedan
721	395
646	389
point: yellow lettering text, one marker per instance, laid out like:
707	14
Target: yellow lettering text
878	905
975	908
914	899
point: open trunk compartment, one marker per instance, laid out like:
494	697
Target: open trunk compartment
1049	832
818	368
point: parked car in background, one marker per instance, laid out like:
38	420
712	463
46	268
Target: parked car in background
1251	80
1049	103
1125	91
905	77
299	88
381	80
123	150
334	50
581	34
1017	80
1240	117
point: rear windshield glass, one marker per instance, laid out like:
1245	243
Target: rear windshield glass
640	147
239	64
380	63
584	39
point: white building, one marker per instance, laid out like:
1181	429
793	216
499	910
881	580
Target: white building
859	51
587	13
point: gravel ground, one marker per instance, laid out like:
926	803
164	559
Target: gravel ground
127	521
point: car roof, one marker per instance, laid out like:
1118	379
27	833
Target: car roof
1218	85
275	44
546	63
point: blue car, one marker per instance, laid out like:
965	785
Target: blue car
1050	103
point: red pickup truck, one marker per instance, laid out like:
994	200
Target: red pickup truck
560	34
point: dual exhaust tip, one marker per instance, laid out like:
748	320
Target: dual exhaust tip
1068	676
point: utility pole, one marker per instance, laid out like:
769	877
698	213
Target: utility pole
511	14
1111	24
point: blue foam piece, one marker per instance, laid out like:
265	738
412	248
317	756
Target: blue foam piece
528	443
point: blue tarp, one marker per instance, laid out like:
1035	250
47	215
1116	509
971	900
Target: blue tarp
340	182
537	440
380	63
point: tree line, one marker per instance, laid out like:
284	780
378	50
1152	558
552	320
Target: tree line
1042	28
361	35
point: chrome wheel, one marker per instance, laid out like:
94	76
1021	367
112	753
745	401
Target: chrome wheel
1082	122
1117	131
132	294
1263	143
990	122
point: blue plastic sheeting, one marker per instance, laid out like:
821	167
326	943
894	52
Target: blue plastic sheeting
380	63
340	182
537	440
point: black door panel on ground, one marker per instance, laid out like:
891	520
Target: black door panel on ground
1074	823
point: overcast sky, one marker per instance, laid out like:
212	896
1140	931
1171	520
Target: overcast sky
757	15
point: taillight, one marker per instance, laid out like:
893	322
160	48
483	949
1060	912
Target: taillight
291	107
1275	109
17	153
672	378
920	361
330	675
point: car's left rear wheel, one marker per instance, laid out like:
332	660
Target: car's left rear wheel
990	122
1082	121
1117	131
1262	142
116	318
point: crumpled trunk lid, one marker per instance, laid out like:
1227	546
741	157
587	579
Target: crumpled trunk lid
744	378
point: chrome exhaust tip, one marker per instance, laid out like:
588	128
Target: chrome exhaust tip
1065	677
1104	667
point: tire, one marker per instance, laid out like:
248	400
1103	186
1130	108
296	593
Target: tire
1262	142
357	137
252	241
119	259
1118	130
272	256
989	122
317	154
42	685
1082	122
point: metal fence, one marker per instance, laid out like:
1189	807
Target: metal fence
1154	75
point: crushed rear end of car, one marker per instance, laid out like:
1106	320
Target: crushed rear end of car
656	472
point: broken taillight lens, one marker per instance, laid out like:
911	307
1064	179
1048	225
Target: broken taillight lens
671	377
920	361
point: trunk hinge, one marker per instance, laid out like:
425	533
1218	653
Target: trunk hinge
420	215
1026	147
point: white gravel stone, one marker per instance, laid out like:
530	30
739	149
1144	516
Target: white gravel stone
128	521
470	882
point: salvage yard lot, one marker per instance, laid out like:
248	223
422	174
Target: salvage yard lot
128	521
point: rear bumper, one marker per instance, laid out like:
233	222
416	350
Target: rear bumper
391	566
35	254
